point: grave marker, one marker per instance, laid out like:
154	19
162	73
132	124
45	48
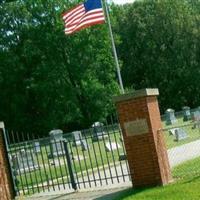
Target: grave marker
84	145
36	147
98	131
186	113
56	143
180	134
24	161
111	146
77	136
170	117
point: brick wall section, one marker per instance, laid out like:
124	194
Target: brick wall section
146	153
6	189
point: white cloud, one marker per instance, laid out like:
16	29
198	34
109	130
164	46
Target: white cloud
123	1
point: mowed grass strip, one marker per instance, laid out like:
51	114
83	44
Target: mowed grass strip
184	190
187	188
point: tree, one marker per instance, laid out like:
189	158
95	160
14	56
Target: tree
51	80
160	48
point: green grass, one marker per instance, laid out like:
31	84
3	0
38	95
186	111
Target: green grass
187	189
187	169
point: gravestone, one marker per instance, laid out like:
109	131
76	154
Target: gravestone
77	137
98	131
180	134
196	119
172	131
36	147
111	146
122	157
186	113
24	161
84	145
56	143
170	117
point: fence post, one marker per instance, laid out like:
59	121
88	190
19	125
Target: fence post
69	164
140	121
7	188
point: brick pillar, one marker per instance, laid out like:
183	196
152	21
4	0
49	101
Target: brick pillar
140	121
6	184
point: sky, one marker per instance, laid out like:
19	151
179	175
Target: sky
123	1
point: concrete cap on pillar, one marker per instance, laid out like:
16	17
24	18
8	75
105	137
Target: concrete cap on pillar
137	94
2	125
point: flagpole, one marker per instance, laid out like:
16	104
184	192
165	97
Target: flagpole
114	48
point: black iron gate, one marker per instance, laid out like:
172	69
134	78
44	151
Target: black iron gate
88	158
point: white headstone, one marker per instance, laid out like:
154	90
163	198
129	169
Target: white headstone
77	136
180	134
172	131
24	161
112	146
56	143
98	131
84	145
36	146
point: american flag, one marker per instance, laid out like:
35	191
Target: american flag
83	15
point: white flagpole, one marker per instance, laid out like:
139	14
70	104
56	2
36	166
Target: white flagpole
114	48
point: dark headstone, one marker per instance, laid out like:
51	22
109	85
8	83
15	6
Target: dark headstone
122	157
186	113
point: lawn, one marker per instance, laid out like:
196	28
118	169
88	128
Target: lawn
185	189
96	157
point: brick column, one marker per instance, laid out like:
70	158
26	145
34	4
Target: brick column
140	121
6	184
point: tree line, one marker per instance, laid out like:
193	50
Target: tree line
50	80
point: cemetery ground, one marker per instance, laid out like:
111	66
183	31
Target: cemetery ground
96	159
180	189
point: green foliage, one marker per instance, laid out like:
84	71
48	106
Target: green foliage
160	48
50	80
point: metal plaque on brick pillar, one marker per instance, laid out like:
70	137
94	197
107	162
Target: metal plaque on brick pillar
136	127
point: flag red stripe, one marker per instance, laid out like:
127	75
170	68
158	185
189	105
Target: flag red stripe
85	23
86	16
77	13
67	14
85	26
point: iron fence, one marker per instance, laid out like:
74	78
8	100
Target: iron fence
89	158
